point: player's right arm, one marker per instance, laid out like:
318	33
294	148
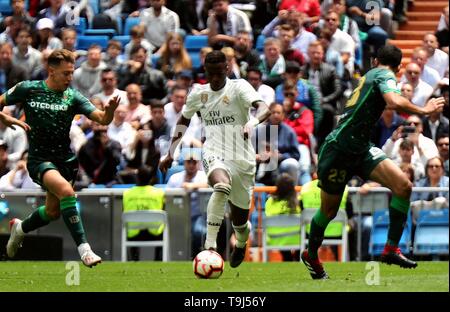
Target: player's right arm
397	102
189	109
12	96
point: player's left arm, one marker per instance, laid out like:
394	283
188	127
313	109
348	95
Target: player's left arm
106	116
10	121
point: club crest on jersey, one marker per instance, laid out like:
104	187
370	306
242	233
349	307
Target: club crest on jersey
226	100
204	97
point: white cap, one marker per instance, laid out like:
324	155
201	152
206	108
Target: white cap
44	23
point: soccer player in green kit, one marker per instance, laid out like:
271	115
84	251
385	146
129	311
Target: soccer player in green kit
347	151
50	106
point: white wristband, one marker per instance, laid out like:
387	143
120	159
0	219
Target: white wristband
253	121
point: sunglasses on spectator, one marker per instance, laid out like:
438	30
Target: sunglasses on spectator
434	166
443	144
289	94
107	79
415	123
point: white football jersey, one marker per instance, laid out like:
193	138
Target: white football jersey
224	114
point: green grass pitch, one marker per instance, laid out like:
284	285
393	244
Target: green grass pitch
20	276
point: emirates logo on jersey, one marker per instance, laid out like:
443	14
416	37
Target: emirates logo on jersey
226	100
204	97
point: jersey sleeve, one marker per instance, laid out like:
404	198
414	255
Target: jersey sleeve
82	104
387	83
192	103
18	93
247	93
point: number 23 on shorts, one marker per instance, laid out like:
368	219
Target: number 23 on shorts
337	175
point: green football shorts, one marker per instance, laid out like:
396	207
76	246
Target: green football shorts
68	169
336	167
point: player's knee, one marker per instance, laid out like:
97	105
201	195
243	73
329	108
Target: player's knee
66	191
403	188
53	213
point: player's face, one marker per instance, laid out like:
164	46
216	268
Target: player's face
216	75
62	75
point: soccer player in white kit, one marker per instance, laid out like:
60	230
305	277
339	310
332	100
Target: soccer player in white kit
228	155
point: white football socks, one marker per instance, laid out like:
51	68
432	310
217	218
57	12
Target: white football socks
216	212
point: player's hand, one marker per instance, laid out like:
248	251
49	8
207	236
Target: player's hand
11	121
248	127
166	163
113	103
433	105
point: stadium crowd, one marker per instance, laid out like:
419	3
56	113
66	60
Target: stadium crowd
303	56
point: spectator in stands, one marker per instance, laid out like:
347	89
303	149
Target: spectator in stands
56	12
340	41
121	131
158	21
307	94
284	202
347	24
199	74
151	81
435	124
386	125
437	59
272	63
429	75
442	33
137	35
442	145
380	18
435	177
18	177
113	57
301	120
142	152
108	81
144	196
69	40
282	152
405	154
184	79
13	25
224	23
18	10
309	8
41	73
174	58
4	162
24	54
46	38
138	113
254	77
302	37
286	35
233	71
191	179
246	56
10	74
87	78
424	148
323	78
422	90
15	139
159	127
332	56
189	12
100	156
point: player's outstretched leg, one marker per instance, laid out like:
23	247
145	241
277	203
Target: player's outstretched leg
16	237
238	254
18	228
398	212
72	219
215	213
310	256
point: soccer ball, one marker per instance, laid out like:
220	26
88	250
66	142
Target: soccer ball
208	264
